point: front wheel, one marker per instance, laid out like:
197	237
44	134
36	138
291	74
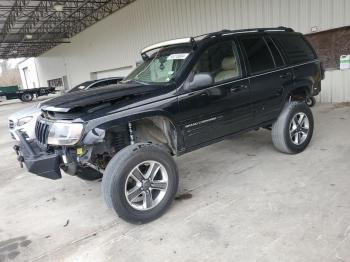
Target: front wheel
140	182
293	129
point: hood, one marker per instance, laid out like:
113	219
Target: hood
29	111
90	98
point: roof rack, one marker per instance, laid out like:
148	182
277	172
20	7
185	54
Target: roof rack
229	32
210	35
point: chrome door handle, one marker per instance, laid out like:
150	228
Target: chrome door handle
286	76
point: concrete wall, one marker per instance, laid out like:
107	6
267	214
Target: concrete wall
336	87
115	42
29	79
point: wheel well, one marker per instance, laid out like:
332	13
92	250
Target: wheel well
156	130
300	93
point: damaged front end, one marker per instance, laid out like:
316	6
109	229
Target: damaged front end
63	145
39	161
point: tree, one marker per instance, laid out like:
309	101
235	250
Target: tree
9	76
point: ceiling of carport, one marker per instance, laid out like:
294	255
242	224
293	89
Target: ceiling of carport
29	28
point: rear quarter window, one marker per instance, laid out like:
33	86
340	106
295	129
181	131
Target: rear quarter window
258	54
297	49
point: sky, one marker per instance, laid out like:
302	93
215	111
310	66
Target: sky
13	62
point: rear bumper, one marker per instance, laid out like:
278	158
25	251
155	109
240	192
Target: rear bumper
37	160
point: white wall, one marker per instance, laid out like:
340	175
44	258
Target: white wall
115	42
336	87
30	80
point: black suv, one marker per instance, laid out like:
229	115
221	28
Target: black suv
187	94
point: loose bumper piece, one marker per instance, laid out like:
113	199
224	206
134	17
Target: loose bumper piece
37	160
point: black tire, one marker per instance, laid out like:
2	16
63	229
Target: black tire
115	179
27	97
285	134
310	101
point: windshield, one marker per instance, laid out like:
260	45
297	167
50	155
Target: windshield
161	66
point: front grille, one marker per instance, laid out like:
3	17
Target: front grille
11	124
42	131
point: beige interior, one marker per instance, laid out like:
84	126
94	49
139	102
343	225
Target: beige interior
229	69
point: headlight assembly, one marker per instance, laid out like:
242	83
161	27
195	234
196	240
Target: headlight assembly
65	134
24	120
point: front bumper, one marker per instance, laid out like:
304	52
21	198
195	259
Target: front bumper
37	160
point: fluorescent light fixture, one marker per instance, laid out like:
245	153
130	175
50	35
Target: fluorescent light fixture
29	36
58	7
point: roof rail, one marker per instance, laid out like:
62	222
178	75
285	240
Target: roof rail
206	36
262	29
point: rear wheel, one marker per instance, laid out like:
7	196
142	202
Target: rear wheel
292	131
26	97
140	182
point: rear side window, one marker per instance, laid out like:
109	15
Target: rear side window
259	56
296	48
275	52
98	84
113	82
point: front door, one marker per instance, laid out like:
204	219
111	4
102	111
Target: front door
221	108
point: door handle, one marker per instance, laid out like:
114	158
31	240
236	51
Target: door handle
286	75
238	88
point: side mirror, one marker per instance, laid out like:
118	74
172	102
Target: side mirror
201	80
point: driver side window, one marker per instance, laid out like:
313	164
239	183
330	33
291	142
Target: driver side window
220	61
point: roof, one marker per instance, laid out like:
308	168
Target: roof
224	32
28	28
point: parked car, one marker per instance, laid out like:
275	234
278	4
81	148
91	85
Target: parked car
188	93
25	119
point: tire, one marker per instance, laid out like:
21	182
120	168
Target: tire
310	101
117	182
27	97
293	137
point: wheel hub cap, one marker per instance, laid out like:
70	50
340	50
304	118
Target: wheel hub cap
299	128
146	185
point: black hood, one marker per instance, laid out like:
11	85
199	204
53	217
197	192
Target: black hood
94	97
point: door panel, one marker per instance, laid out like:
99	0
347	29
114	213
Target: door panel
267	93
268	78
215	112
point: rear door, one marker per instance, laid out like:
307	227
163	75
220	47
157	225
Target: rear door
221	108
269	76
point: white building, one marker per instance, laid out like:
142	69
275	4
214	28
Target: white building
111	47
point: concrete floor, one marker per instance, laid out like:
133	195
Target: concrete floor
249	203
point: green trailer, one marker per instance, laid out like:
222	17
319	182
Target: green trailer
25	95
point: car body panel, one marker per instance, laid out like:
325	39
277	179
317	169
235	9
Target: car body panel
29	128
200	116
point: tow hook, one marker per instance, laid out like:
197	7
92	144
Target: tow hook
16	148
20	160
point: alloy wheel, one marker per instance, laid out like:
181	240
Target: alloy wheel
146	185
299	128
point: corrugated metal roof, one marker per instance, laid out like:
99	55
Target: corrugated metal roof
31	27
